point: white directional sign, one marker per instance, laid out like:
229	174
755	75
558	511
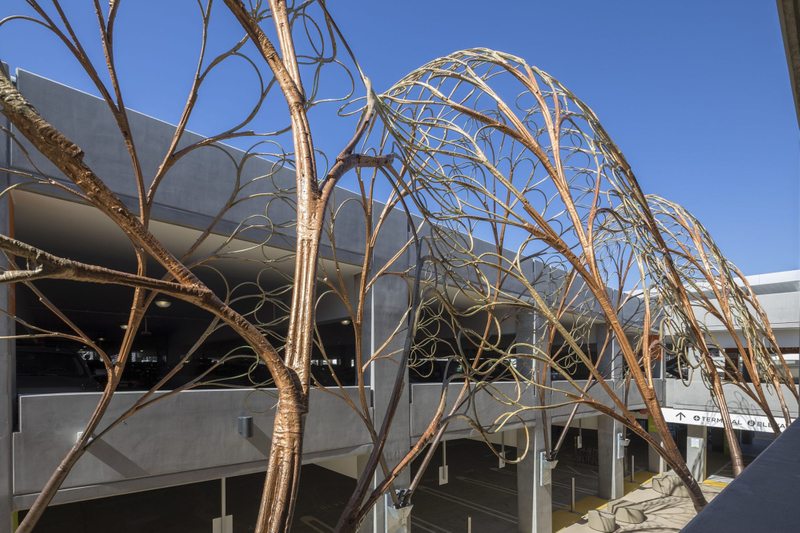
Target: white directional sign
713	419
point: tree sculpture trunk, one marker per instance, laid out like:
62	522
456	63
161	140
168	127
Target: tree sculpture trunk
285	459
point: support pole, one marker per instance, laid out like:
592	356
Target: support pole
573	496
502	450
223	524
223	502
443	474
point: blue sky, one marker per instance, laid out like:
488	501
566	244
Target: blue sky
696	94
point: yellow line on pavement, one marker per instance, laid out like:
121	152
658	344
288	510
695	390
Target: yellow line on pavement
715	483
643	476
562	519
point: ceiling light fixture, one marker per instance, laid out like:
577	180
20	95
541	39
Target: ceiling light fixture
346	322
123	326
163	303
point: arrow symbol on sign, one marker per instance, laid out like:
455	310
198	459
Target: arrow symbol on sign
680	416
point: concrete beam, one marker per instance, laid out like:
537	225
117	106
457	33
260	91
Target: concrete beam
789	15
610	459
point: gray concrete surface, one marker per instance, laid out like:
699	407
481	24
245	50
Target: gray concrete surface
195	430
760	498
697	396
611	465
697	451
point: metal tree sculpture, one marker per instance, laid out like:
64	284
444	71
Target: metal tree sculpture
718	293
520	206
491	142
289	370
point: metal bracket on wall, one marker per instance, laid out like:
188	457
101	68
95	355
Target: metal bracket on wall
621	444
546	468
222	525
246	426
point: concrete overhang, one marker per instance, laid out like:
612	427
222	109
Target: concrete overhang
789	14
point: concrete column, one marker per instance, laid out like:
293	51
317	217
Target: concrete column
534	498
7	360
611	467
696	446
368	526
655	463
377	521
388	302
611	363
534	476
530	330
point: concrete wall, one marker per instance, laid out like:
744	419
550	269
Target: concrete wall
635	402
779	295
195	188
426	396
783	310
697	396
194	430
87	121
425	400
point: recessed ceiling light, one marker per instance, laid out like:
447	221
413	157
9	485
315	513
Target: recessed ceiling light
163	303
123	326
346	322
